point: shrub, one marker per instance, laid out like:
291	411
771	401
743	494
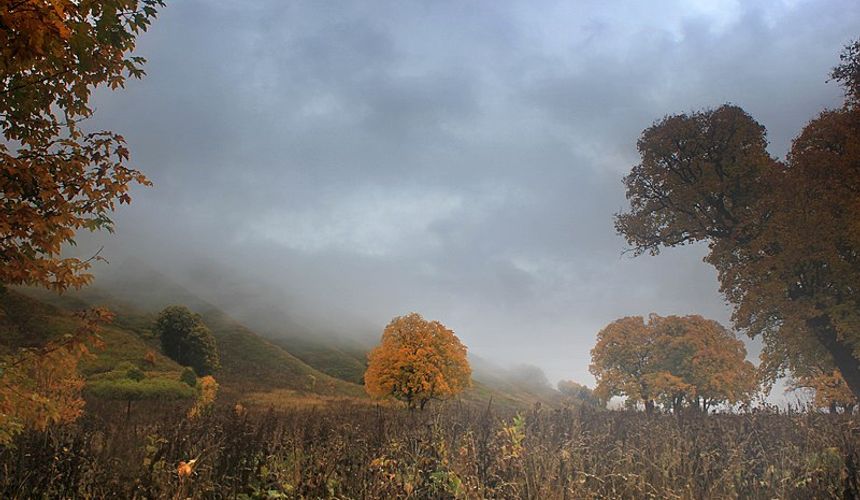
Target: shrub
135	374
189	377
126	389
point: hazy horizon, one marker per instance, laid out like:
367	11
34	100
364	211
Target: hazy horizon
354	163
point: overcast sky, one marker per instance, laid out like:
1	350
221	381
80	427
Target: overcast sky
350	162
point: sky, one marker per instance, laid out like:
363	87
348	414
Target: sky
347	162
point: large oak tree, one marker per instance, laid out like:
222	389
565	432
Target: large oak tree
782	235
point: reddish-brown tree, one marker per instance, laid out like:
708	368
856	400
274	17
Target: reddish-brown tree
783	236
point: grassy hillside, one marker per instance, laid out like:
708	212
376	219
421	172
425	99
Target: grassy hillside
284	365
340	359
250	363
28	322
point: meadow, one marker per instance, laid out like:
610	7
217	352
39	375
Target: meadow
452	450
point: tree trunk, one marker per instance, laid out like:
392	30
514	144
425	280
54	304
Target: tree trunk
841	352
649	406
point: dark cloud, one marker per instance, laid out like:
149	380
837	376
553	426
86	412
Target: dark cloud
349	162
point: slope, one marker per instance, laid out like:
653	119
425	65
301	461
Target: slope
250	363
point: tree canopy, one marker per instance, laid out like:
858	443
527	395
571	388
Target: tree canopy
782	235
186	340
417	360
672	361
55	177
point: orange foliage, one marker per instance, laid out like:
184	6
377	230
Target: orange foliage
417	361
672	360
830	388
782	235
149	358
40	391
56	179
185	469
42	387
208	390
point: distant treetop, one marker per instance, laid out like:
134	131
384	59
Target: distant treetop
186	340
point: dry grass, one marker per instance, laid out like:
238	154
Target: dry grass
346	450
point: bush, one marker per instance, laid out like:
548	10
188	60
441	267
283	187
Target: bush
135	374
126	389
189	377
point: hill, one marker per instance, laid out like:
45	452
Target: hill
251	364
271	359
28	322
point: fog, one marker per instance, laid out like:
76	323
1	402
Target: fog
322	167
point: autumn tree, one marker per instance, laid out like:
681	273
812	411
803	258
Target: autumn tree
55	177
40	386
417	360
703	364
829	390
186	340
782	235
674	361
625	354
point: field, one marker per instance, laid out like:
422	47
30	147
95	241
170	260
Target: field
453	450
299	432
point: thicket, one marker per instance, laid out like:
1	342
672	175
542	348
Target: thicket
456	451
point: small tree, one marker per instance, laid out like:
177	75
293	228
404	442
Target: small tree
624	355
577	393
186	340
417	361
38	390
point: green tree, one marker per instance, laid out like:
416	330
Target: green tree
783	236
186	340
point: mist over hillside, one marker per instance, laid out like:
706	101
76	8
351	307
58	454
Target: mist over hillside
267	310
